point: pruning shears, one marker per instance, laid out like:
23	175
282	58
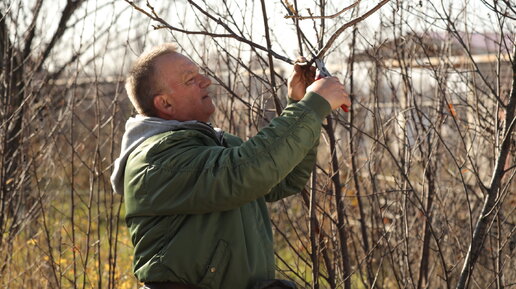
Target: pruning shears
323	72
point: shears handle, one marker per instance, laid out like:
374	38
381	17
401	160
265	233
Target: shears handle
344	107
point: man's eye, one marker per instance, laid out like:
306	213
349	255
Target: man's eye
190	81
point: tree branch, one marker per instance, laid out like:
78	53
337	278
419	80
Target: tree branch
296	16
347	25
481	226
277	103
68	11
231	34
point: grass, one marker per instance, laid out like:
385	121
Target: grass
51	252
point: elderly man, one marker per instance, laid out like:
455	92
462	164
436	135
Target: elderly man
195	197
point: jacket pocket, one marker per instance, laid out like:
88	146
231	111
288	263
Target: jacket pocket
216	267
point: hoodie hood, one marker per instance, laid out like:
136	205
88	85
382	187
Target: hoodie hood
140	128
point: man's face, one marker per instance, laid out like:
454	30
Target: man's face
186	90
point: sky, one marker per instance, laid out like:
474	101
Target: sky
284	35
118	23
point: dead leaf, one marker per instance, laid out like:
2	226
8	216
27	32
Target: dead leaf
291	8
452	110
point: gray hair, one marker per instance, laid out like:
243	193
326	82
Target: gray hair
143	83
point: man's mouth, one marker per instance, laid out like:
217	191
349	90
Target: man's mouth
206	96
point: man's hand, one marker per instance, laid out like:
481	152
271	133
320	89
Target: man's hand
301	78
332	90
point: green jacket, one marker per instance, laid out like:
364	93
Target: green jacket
196	204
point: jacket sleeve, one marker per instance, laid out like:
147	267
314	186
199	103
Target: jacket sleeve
188	176
295	180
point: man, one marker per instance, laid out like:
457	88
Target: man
194	196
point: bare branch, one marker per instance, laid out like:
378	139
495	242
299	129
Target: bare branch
298	17
334	36
165	24
277	103
480	233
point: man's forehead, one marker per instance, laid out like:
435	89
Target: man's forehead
186	62
189	69
180	63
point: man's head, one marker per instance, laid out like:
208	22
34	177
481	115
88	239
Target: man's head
166	84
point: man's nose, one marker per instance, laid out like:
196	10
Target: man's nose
205	81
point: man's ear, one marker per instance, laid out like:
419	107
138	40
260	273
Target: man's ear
163	107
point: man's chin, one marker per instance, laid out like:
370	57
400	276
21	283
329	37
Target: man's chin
208	112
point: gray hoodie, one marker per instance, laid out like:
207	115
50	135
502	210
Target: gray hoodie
140	128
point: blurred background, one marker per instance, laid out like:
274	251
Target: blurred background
413	188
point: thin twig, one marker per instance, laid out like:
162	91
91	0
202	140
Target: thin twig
480	233
298	17
227	35
353	22
277	103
